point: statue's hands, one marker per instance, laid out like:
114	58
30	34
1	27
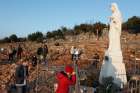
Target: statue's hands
109	17
114	22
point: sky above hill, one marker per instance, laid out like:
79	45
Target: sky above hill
22	17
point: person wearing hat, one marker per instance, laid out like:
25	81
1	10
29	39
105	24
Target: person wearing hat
65	79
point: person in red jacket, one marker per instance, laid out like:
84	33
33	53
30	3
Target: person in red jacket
65	79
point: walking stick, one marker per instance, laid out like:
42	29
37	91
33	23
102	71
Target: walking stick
77	85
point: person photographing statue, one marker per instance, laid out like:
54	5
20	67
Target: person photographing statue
65	79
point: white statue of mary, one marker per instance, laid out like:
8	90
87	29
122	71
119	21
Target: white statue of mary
113	63
115	30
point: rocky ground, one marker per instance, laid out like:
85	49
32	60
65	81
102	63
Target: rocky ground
59	55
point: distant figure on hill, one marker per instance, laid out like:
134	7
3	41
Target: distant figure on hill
45	51
14	52
73	51
40	53
96	60
11	52
34	61
19	51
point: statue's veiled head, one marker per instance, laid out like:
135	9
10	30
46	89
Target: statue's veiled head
114	7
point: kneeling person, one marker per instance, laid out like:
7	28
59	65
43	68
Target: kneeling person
65	79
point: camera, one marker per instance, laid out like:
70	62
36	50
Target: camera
76	55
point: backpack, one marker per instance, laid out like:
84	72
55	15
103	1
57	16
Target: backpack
20	74
39	51
20	50
34	61
14	52
45	50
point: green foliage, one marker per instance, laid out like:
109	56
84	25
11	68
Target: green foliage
37	36
23	39
13	38
56	34
6	39
67	31
50	35
132	24
98	27
84	28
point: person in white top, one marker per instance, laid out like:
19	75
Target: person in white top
72	52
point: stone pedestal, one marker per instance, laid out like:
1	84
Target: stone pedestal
114	67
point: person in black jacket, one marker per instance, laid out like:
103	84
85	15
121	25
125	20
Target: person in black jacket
19	51
21	75
45	52
40	53
34	61
10	53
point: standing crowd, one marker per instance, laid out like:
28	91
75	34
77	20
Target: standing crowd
24	60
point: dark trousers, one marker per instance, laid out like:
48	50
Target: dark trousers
19	55
11	57
22	89
72	56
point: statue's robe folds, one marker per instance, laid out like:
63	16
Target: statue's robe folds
114	34
113	66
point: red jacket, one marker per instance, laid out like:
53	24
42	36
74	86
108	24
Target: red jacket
64	82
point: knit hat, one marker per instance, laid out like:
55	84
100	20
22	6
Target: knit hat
68	69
